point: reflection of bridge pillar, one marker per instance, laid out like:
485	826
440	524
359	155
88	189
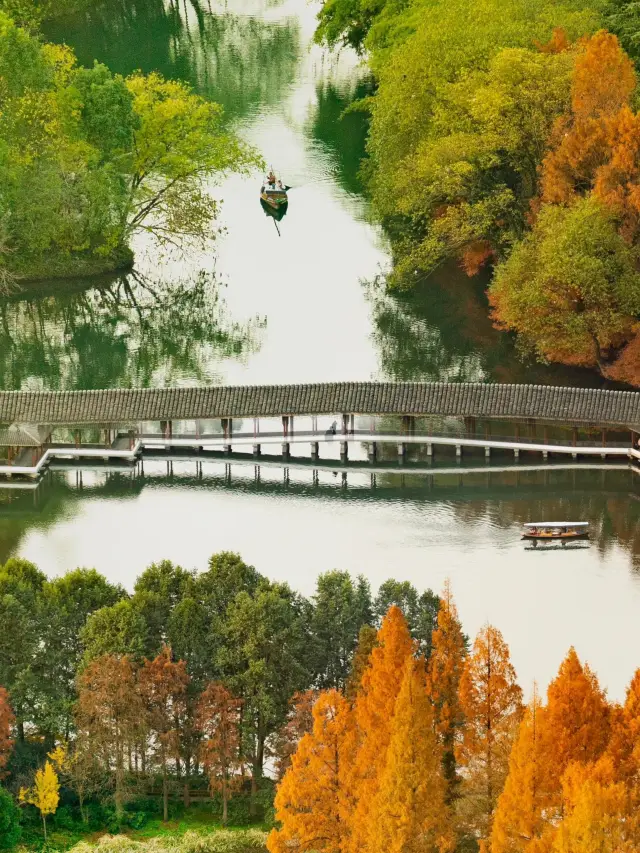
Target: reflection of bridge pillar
315	477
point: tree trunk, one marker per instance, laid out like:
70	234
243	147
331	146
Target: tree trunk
187	779
44	826
165	793
225	798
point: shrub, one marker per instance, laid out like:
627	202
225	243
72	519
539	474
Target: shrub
9	821
223	841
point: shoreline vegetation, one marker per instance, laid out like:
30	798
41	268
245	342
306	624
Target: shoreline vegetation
505	138
88	158
340	723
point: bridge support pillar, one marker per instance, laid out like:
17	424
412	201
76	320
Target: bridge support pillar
516	453
574	455
257	450
286	449
459	451
402	452
373	451
344	451
545	454
487	452
227	429
429	449
315	450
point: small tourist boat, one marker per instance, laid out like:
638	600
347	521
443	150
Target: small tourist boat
555	531
273	192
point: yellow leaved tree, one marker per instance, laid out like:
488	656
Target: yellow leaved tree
410	814
45	793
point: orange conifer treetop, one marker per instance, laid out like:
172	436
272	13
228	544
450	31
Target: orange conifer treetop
491	702
624	746
374	708
576	720
218	718
518	818
410	814
7	721
313	802
445	668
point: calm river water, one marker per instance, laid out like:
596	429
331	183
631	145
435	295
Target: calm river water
304	305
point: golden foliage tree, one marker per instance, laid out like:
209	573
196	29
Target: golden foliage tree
374	708
597	817
367	640
518	816
444	672
7	721
110	714
491	702
313	802
219	715
163	687
410	814
576	721
45	793
603	81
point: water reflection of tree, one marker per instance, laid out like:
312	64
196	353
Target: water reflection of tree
130	332
240	61
442	332
343	134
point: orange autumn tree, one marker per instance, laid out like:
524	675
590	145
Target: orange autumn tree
444	672
218	718
491	702
597	814
110	715
7	721
313	802
577	722
603	82
518	818
410	814
163	686
373	709
299	723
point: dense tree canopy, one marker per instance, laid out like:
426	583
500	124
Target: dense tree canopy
87	158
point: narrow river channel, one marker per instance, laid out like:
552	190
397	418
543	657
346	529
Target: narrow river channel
300	301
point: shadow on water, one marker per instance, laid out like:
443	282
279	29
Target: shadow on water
442	332
238	60
128	332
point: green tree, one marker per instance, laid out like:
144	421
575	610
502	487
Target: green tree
340	608
265	662
180	140
10	831
420	611
21	585
117	630
66	603
157	592
571	288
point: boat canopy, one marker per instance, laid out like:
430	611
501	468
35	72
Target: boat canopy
556	524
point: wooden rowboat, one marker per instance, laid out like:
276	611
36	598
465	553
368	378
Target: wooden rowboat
275	198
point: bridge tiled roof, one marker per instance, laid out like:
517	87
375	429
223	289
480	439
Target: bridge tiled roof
130	406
